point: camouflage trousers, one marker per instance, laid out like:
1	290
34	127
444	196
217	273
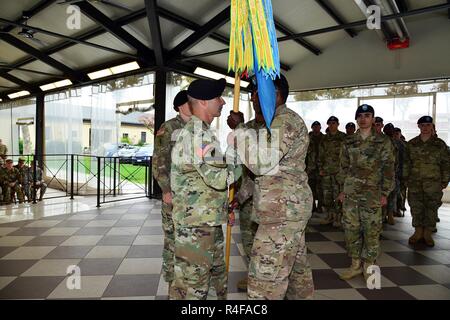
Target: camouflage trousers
331	191
362	229
401	199
314	181
247	226
169	242
8	192
392	199
28	190
425	198
199	263
279	267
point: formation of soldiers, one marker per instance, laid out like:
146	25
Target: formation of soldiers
352	177
17	181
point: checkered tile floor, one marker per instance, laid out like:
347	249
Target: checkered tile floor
119	251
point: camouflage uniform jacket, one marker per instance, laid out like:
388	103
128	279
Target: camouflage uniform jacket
23	173
199	185
245	191
367	168
9	176
3	149
426	161
164	142
281	182
329	151
312	158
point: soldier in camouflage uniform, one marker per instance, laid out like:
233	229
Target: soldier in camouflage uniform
244	194
426	174
350	128
2	164
33	186
401	198
312	159
161	162
199	188
3	150
366	178
391	208
329	150
282	202
379	125
11	183
23	172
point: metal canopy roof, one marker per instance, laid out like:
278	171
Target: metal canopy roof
180	35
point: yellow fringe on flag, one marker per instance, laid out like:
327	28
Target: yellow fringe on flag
248	31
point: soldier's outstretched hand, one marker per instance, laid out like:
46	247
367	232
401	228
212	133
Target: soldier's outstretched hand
341	197
234	119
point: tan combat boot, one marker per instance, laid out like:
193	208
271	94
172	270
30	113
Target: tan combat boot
353	271
417	236
427	237
242	285
390	218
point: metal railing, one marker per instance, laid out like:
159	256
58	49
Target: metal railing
110	179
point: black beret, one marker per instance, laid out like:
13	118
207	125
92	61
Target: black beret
8	161
363	109
389	126
315	123
425	119
350	124
180	99
203	89
378	119
397	130
332	118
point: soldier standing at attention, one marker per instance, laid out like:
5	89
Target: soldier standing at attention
282	202
401	198
164	142
198	180
379	125
350	128
426	174
329	151
312	168
391	208
366	178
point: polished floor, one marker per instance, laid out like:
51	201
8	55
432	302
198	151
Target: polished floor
118	250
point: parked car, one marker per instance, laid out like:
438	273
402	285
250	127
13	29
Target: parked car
126	154
142	156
